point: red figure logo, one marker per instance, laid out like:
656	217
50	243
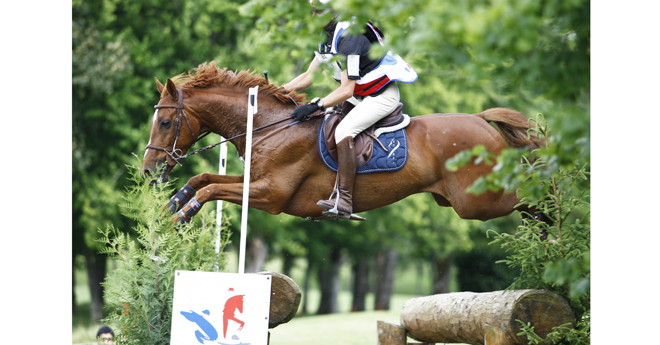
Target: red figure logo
233	303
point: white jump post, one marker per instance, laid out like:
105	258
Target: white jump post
222	169
252	109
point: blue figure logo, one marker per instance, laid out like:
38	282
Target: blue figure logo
209	331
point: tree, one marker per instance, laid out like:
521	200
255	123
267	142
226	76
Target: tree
118	48
530	56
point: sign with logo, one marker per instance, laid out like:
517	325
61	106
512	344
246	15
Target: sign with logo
220	308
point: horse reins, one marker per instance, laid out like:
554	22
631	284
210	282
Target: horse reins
175	153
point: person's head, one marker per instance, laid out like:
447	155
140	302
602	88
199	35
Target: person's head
105	335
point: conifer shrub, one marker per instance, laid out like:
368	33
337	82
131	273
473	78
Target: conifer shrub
139	293
558	187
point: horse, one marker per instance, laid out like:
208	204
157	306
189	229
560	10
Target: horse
287	174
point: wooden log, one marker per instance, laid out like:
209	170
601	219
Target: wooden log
497	336
390	334
468	317
284	299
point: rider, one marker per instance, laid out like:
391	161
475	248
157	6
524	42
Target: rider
366	83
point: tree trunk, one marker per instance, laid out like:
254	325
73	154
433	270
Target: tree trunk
308	274
330	284
441	273
385	265
360	284
287	263
256	254
468	317
95	263
73	287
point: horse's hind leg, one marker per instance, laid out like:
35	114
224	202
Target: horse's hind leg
195	183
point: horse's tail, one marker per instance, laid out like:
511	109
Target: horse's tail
513	126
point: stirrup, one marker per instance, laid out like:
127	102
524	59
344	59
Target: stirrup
333	213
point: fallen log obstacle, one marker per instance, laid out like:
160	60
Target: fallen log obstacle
285	298
477	318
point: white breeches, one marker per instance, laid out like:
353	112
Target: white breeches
367	112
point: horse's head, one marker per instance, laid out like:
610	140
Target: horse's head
172	133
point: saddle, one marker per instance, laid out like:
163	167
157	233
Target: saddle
364	142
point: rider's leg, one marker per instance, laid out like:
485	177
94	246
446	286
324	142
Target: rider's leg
365	114
346	171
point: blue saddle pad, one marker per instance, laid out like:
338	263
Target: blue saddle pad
391	160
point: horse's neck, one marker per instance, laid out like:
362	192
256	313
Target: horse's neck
226	114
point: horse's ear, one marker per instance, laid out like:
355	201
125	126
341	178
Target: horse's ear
159	86
171	89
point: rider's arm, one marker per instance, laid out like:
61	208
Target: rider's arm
342	93
304	80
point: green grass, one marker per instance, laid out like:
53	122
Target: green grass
346	328
341	328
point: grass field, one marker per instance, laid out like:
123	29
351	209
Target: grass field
341	328
345	328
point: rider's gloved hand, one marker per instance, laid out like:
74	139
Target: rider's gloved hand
307	109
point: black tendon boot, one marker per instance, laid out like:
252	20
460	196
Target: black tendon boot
181	198
346	171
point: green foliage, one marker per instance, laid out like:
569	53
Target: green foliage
139	292
564	334
559	191
526	55
562	264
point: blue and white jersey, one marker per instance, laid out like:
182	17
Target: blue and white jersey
371	75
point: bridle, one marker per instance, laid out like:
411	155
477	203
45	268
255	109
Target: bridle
175	153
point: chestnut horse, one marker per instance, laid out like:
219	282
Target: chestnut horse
287	173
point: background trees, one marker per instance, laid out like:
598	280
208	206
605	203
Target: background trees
530	56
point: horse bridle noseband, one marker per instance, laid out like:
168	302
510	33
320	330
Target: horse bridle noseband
175	153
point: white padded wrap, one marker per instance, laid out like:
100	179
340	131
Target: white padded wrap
403	124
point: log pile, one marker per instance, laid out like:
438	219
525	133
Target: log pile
477	318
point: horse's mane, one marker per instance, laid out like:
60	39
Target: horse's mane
208	75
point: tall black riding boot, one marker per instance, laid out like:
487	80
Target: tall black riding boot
346	171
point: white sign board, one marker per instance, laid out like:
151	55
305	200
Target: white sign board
220	308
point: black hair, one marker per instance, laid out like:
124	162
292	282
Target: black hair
105	329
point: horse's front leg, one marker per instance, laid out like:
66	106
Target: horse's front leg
260	198
195	183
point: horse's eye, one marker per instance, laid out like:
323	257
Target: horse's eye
165	123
